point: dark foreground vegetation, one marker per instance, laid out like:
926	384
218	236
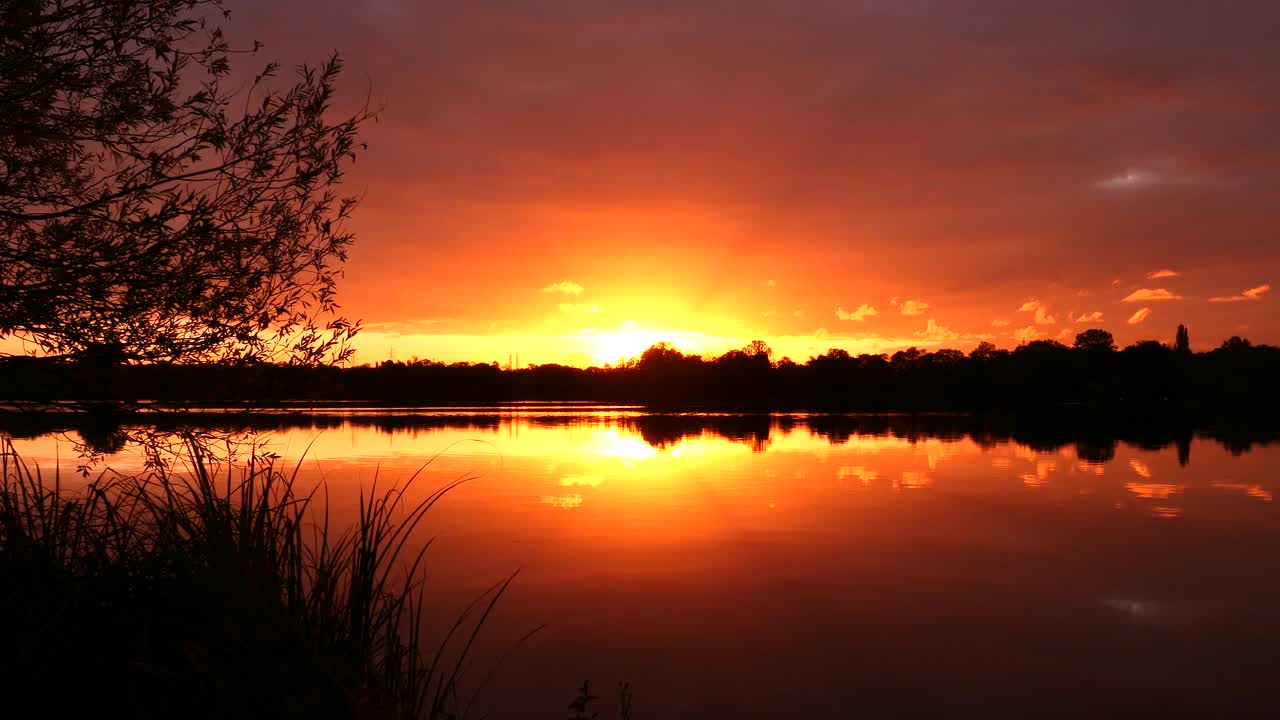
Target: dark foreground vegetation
1041	374
213	592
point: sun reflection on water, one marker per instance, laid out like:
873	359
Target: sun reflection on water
666	474
562	501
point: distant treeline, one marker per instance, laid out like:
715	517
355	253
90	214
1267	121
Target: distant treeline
1149	374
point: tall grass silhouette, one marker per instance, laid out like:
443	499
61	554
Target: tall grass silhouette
207	587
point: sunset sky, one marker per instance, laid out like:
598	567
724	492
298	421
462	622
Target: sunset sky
573	180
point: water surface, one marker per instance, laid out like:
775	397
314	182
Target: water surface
756	566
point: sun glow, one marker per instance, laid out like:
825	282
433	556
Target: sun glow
630	342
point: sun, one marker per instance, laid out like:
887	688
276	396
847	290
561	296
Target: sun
623	344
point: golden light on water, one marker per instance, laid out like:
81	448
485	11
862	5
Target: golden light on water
614	459
613	443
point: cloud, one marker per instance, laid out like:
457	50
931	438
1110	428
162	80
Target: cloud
567	287
863	312
770	313
1257	292
999	323
909	306
579	309
1142	314
1042	313
934	332
1150	294
1250	294
1141	179
938	333
1093	317
798	313
772	283
404	327
1160	274
1026	334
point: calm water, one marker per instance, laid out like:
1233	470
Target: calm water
773	567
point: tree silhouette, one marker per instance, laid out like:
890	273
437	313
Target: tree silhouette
149	212
1236	343
1182	342
1095	339
661	357
985	351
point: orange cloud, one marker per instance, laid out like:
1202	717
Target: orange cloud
770	313
999	323
1142	314
1150	294
1250	294
1042	313
938	333
567	287
579	309
1093	317
863	312
1160	274
1026	334
909	306
935	332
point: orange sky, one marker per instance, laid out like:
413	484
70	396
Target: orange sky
572	180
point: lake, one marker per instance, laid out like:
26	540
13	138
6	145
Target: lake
818	566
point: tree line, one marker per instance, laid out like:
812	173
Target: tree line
1042	373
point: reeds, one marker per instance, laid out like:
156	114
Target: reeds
220	589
